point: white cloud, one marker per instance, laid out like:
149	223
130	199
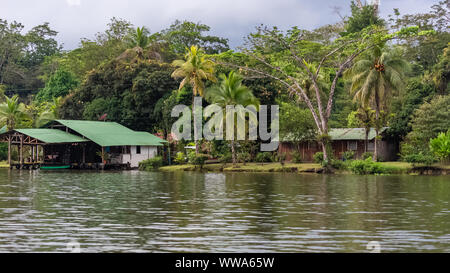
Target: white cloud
72	3
233	19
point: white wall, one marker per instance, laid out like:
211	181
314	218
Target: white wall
134	159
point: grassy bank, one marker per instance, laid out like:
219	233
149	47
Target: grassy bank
4	164
391	167
249	167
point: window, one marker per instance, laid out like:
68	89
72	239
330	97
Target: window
371	146
127	150
352	145
138	150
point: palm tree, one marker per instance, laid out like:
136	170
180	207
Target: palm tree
12	112
231	91
195	69
136	41
375	77
138	38
49	113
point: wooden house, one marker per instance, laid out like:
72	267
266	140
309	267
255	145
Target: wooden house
343	139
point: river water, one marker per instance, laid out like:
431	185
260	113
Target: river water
132	211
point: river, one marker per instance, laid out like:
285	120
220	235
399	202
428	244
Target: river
132	211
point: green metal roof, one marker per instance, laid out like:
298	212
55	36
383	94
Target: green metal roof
111	133
51	135
352	133
3	130
345	134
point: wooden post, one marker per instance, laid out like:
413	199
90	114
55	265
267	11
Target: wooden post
84	153
21	151
9	150
103	152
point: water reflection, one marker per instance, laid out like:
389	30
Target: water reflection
216	212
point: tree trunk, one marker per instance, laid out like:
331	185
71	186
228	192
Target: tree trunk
366	140
233	152
325	152
377	117
197	145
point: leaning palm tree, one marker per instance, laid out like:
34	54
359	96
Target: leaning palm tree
231	91
374	78
194	70
12	112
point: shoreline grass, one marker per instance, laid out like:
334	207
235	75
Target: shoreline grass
391	167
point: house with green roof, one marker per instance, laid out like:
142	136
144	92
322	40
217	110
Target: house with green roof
82	143
342	140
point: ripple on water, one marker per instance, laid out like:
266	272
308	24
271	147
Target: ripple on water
194	212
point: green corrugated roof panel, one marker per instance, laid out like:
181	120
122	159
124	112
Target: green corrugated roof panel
51	135
352	133
345	134
111	133
3	130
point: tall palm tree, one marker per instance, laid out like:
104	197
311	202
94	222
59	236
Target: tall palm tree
374	78
12	112
231	91
194	70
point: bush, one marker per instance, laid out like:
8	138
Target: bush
151	164
198	159
225	158
338	164
419	158
180	158
440	146
296	157
279	157
367	166
367	155
415	154
264	157
3	151
348	155
243	157
318	157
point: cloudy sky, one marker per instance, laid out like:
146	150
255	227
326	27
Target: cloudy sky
232	19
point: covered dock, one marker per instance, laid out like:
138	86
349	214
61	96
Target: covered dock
80	144
43	146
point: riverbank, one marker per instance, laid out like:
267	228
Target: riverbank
392	167
4	164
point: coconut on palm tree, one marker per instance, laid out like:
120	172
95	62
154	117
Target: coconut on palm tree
194	70
12	112
231	91
374	78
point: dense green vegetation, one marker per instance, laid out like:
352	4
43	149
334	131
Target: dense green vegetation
364	71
